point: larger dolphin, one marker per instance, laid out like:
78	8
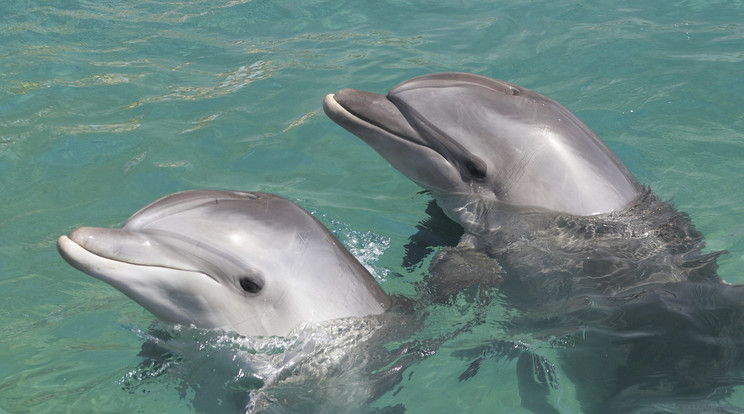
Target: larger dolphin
595	263
480	138
248	262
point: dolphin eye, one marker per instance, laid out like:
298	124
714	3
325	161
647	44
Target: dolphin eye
476	169
249	285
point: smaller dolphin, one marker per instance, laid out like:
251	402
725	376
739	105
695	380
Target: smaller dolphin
469	137
248	262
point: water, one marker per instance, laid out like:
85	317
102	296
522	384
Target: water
105	106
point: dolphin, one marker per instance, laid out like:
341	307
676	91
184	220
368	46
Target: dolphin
594	263
471	136
260	266
248	262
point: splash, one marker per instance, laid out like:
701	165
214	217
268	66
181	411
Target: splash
367	247
319	364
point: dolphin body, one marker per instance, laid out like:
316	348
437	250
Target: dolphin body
260	266
596	265
316	321
252	263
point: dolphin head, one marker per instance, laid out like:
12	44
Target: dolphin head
253	263
460	134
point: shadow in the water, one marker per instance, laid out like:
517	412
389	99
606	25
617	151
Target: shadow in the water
435	231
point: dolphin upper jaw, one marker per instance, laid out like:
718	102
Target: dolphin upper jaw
129	247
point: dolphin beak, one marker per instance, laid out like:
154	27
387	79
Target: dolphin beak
369	116
113	244
70	251
118	245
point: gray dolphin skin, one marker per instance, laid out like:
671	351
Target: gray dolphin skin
253	263
596	267
475	137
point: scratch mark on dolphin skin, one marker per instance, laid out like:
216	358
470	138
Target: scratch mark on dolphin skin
515	173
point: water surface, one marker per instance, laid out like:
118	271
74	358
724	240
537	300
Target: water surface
106	106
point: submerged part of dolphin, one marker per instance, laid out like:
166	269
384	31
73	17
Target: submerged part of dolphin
253	263
473	137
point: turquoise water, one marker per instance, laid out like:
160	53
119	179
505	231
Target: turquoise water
106	106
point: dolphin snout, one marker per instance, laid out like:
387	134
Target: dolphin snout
115	244
370	106
102	240
368	115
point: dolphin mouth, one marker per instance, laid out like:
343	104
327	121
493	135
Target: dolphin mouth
87	245
71	252
116	271
369	115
